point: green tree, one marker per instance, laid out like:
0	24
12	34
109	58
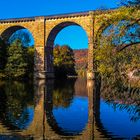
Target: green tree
112	64
64	62
16	66
29	57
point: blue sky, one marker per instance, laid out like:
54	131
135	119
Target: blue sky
74	36
27	8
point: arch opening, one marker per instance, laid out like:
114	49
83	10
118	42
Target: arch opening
9	31
18	32
18	44
66	34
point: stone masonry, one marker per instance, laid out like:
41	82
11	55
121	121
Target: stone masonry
44	30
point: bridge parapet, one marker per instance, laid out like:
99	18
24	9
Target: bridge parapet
16	20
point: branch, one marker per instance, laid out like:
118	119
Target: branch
120	48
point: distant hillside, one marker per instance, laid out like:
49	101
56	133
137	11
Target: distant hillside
81	57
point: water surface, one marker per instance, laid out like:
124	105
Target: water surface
68	109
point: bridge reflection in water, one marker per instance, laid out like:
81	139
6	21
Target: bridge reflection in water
59	113
54	126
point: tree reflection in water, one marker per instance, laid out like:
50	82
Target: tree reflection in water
122	96
63	93
63	106
16	105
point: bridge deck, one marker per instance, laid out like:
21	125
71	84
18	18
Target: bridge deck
86	13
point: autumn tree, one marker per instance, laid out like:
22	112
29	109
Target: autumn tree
64	62
118	52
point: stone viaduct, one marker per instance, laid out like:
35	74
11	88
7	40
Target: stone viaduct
44	29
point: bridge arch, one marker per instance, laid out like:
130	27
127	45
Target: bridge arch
9	31
53	33
51	38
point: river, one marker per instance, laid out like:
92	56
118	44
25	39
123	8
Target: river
68	109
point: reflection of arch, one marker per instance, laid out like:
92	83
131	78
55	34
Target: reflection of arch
49	104
110	128
99	123
20	123
7	33
54	124
94	127
17	114
94	107
52	121
50	42
58	130
99	126
12	123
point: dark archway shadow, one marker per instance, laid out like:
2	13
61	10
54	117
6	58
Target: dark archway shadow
9	31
